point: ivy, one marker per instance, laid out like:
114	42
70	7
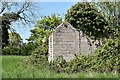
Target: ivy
104	59
87	18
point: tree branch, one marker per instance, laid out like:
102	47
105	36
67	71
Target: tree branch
4	5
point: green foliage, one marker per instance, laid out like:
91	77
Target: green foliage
39	37
110	10
6	19
24	49
49	22
104	59
37	41
78	64
59	65
13	68
22	13
11	50
41	31
108	57
86	17
27	48
39	56
15	39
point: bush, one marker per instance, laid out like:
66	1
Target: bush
11	50
24	49
38	56
108	57
59	65
105	59
27	48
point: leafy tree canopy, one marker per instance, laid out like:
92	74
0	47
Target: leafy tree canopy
11	12
43	28
39	38
49	22
87	18
15	39
111	10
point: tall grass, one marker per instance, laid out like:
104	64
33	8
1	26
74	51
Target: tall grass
12	68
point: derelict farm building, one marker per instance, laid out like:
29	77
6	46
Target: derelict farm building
67	41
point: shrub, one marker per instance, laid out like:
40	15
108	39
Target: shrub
59	65
11	50
24	49
27	48
105	59
38	56
108	57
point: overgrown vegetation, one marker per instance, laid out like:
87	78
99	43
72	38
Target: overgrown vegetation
23	50
12	68
104	59
11	50
83	16
39	37
86	17
38	57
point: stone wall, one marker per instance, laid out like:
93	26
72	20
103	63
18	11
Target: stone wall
86	45
67	41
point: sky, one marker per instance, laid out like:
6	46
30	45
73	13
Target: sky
45	8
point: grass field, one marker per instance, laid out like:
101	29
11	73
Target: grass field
12	69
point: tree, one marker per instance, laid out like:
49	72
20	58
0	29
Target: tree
43	28
10	14
49	22
38	35
15	39
39	38
7	18
87	18
111	10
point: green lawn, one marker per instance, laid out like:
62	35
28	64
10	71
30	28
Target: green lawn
12	69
